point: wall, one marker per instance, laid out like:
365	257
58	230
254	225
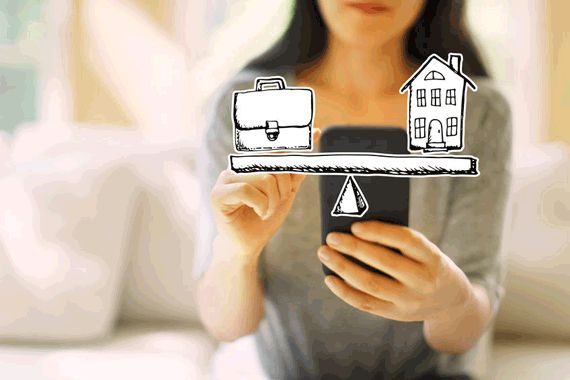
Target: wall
512	36
558	43
94	101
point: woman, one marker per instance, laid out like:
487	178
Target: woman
264	274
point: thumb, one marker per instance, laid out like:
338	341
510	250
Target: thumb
316	137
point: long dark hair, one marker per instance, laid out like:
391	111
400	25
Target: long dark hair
440	29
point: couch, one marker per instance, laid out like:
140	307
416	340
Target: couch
124	306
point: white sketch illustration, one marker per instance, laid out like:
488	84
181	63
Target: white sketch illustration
436	104
273	116
350	201
368	164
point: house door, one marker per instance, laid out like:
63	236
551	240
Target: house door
435	133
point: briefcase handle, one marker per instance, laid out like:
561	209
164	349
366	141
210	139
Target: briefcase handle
262	83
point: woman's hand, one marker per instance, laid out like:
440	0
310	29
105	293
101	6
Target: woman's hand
250	208
426	284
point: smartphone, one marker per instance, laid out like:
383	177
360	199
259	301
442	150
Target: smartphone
387	197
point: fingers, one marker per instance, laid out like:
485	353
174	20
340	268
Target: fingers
276	188
410	242
316	136
266	183
296	181
283	181
230	196
358	277
377	256
287	182
284	185
360	300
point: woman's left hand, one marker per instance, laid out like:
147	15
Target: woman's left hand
426	284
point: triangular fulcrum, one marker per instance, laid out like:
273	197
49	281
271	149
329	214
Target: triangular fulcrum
350	201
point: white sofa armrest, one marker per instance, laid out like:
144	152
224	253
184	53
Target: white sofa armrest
64	227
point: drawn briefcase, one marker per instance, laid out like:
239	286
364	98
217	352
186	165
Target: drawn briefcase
273	116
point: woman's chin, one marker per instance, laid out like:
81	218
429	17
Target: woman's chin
357	39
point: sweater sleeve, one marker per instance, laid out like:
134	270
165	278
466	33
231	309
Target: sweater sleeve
473	234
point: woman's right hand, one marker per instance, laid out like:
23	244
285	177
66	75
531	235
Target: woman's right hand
250	208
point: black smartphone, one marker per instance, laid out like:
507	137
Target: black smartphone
387	197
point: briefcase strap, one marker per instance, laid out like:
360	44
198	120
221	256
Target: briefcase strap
264	83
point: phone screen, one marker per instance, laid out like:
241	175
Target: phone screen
387	197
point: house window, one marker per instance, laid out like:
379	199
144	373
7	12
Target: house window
420	127
450	97
451	126
421	97
436	97
434	75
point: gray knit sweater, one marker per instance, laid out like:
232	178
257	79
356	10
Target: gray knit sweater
308	332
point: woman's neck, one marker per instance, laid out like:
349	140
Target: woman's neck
363	71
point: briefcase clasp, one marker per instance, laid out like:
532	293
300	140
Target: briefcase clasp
271	130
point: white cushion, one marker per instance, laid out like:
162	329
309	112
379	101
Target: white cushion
159	282
70	240
135	352
237	360
64	223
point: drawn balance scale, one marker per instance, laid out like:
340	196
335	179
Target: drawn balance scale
274	117
351	200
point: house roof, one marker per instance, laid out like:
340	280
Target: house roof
426	63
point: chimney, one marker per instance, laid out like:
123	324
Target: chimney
455	61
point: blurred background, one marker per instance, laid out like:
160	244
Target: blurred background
101	112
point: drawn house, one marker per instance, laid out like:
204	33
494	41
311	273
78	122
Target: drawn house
436	104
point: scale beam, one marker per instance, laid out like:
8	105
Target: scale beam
356	164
